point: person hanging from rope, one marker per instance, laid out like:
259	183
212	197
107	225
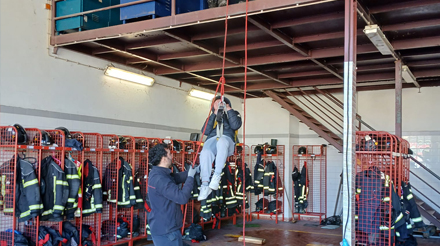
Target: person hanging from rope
221	131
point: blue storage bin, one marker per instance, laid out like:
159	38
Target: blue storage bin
158	8
185	6
88	21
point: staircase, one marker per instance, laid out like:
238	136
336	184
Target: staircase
429	212
308	108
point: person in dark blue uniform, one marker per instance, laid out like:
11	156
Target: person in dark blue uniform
166	219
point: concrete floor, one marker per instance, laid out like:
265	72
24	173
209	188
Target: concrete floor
302	233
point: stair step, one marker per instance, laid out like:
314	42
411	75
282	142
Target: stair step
420	203
431	211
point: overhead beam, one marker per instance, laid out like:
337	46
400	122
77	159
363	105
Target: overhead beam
221	33
252	46
289	42
401	5
186	54
286	40
214	51
150	43
308	20
302	74
101	50
411	25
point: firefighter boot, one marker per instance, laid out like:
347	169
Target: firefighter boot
296	207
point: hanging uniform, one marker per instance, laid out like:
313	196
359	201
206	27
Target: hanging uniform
259	175
137	191
411	205
74	182
126	197
228	184
28	200
296	178
242	187
54	190
270	179
92	197
304	180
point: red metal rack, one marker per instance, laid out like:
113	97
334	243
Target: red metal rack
92	143
141	173
314	161
382	164
278	159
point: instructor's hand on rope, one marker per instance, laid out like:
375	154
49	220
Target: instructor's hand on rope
192	171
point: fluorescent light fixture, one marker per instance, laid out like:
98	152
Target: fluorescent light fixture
379	39
201	94
128	76
408	76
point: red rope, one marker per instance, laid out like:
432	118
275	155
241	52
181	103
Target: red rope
244	121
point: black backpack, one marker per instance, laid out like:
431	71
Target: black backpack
194	232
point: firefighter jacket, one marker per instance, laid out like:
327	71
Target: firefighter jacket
92	197
74	182
125	189
304	184
228	185
137	192
296	178
27	191
270	180
242	187
258	175
231	123
375	197
411	206
54	190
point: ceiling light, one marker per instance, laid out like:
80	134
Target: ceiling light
128	76
201	94
408	76
379	39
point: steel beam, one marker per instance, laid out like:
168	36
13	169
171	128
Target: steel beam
286	40
229	58
252	46
302	74
307	20
169	22
101	50
150	43
411	25
186	54
221	33
204	47
401	5
398	90
349	160
414	43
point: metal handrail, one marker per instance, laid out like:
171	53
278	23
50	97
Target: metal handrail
426	168
426	183
427	198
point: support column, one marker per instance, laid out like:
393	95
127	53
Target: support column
398	89
349	170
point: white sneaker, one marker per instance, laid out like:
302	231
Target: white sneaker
204	192
215	182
